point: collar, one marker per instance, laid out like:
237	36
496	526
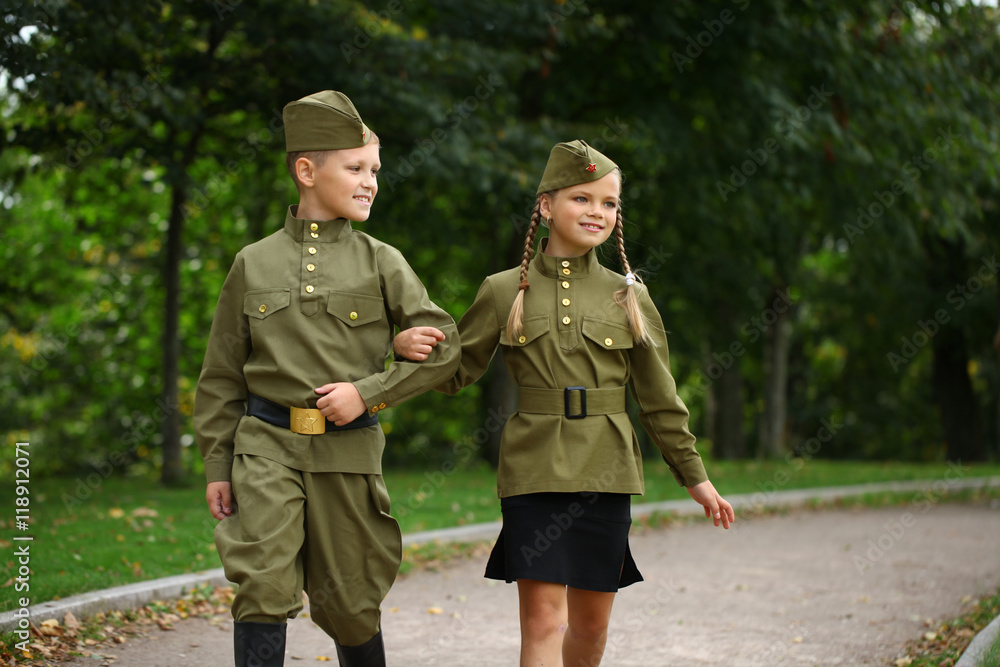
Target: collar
315	231
556	267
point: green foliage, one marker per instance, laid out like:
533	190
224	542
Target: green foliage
758	140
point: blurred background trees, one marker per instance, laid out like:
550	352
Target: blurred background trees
811	193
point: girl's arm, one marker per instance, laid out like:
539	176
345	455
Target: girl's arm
665	417
479	331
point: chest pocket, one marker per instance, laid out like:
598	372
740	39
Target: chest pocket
532	328
607	335
262	303
355	309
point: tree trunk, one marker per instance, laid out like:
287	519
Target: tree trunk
722	369
777	343
956	398
711	407
727	395
172	471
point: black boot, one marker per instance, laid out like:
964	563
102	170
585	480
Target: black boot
259	644
369	654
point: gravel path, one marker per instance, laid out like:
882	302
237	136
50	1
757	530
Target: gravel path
840	587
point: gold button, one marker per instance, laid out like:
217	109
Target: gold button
566	320
565	262
262	308
608	342
353	315
566	272
313	227
565	284
381	406
314	235
310	267
374	409
310	289
521	340
565	302
312	251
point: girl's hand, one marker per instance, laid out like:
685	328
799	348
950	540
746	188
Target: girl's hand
716	507
416	343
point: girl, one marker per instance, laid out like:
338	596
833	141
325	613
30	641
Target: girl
574	335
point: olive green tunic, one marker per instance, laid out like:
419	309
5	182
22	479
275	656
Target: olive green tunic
311	304
575	335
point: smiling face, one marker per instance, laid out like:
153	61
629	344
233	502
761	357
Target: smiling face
343	186
581	216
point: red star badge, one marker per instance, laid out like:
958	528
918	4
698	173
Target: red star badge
592	167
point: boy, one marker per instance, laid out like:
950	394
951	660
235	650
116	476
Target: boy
286	411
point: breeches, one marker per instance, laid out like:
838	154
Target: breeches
327	533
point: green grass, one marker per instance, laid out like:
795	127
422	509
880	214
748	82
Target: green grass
94	534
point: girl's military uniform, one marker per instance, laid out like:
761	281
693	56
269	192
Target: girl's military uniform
576	345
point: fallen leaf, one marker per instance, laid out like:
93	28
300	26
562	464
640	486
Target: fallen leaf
930	636
69	620
435	610
796	640
393	610
322	658
116	512
145	511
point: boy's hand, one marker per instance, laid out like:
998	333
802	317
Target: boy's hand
416	343
716	507
341	403
220	499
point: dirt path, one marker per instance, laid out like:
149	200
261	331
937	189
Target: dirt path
811	588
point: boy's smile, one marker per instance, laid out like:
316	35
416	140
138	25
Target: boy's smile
343	187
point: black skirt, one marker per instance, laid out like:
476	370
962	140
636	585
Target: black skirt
576	539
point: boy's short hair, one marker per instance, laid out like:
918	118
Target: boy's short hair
318	158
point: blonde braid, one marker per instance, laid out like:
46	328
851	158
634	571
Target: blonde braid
626	297
515	321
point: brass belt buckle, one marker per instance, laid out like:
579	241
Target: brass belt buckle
307	421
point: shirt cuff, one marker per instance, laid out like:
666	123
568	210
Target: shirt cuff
373	394
690	473
219	471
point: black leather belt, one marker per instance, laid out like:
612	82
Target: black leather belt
306	421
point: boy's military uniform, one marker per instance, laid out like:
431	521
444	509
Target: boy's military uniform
314	303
